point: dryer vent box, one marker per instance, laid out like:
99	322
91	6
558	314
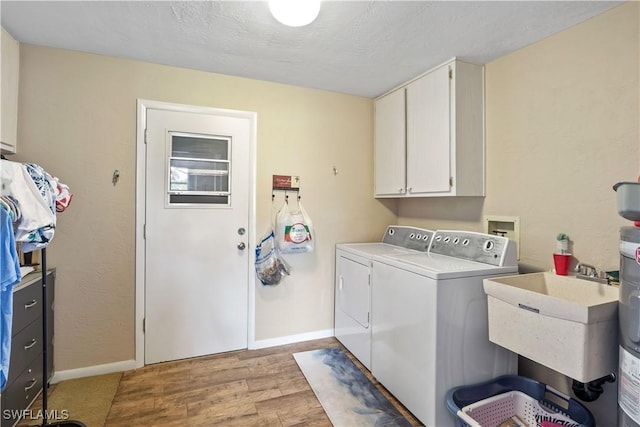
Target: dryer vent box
505	226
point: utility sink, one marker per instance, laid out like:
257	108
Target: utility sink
567	324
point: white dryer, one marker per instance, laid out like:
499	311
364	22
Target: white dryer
352	310
429	320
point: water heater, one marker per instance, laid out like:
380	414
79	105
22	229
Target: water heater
629	316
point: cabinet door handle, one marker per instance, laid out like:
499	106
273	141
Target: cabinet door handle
30	386
33	342
31	304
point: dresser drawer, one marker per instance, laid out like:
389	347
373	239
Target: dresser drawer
25	347
27	305
19	395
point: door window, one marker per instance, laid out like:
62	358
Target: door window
199	169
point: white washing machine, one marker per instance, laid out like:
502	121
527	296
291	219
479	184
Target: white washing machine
353	284
429	320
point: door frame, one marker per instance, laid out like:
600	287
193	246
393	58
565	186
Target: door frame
141	160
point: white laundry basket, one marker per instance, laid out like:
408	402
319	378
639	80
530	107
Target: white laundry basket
495	410
490	403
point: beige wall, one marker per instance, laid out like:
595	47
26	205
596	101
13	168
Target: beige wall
562	119
78	120
563	114
562	126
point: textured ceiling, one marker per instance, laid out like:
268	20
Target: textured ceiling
356	47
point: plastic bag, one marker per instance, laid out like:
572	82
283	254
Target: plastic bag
270	267
294	230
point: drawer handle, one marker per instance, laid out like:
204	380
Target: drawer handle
33	342
30	386
31	304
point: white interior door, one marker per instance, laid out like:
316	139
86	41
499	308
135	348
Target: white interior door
196	246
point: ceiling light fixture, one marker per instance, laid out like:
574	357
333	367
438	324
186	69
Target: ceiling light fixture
295	13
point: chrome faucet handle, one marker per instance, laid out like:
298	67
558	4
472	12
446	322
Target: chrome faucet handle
586	270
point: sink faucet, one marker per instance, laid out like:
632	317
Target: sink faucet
586	270
589	272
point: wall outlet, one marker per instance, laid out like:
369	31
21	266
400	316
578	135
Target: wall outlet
505	226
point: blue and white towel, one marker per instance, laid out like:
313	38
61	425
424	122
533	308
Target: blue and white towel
9	276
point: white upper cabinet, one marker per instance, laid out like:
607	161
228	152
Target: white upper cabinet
390	147
429	133
432	143
10	67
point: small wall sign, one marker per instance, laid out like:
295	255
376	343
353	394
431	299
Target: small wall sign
286	182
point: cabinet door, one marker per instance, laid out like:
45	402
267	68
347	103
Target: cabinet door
429	133
389	145
9	94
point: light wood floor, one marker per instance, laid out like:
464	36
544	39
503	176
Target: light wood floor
244	388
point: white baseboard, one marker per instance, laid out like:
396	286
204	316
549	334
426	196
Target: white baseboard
90	371
290	339
127	365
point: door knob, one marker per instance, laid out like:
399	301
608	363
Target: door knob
241	246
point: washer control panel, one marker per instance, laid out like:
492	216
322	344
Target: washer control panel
479	247
418	239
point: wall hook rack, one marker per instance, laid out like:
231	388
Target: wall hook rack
286	194
286	183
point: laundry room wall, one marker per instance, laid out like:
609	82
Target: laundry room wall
77	118
562	126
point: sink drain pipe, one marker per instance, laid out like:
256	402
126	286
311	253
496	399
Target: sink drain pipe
588	392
